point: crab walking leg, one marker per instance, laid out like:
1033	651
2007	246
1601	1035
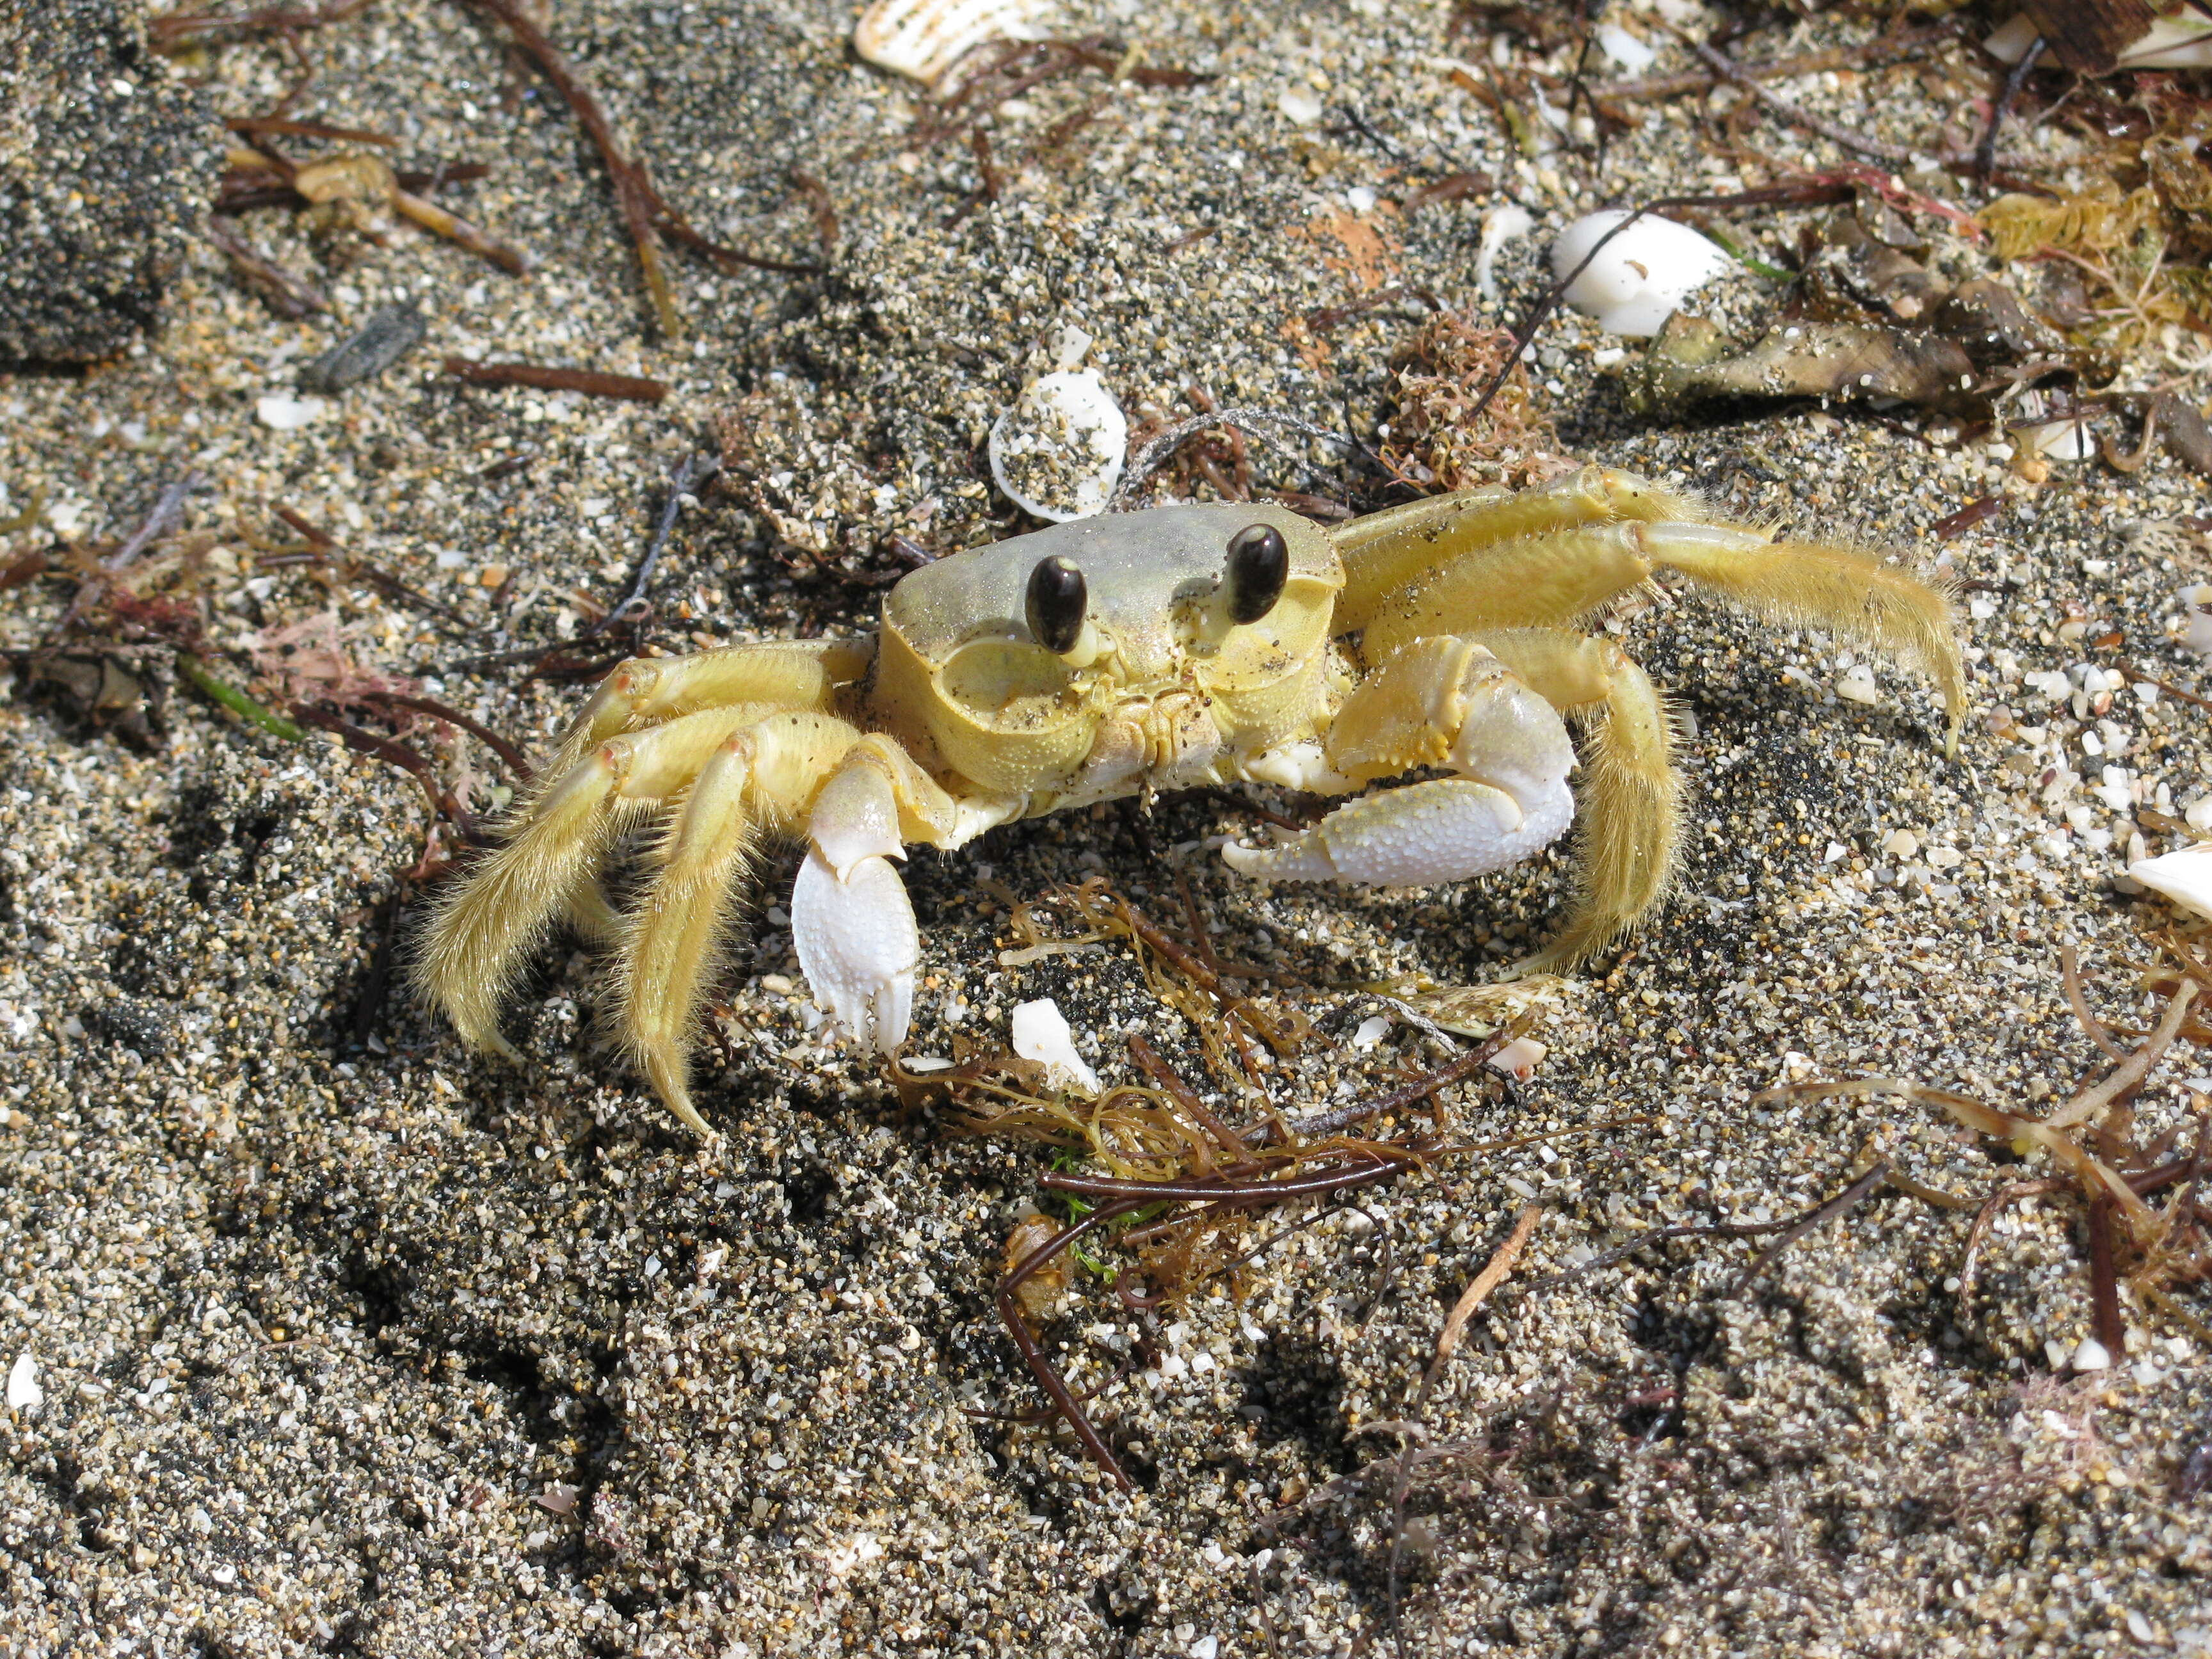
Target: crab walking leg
1387	555
1848	590
850	918
479	935
761	776
648	690
1631	793
1439	701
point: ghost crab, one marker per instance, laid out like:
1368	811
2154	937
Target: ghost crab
1157	650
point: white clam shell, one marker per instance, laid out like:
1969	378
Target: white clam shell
1639	278
1058	451
2185	877
922	39
1039	1033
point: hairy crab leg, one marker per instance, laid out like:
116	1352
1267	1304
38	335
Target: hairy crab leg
1849	591
1631	794
761	777
648	691
1387	555
481	931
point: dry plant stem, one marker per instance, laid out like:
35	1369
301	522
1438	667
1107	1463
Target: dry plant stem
1149	1061
175	28
1843	138
290	296
692	471
2070	967
163	517
1985	152
1502	1262
1419	1089
589	381
1156	454
1847	1199
1032	1352
1992	1206
383	749
1276	1037
454	228
506	751
2129	1075
629	199
2105	1281
1889	49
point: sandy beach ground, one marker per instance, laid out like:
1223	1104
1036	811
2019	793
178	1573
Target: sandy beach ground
346	1341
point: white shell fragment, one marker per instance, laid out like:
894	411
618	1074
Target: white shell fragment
1372	1030
2185	877
2062	441
2197	633
1639	278
1624	48
1499	226
922	39
1041	1033
1300	105
2091	1355
1058	451
1519	1059
1856	685
23	1389
284	413
2183	42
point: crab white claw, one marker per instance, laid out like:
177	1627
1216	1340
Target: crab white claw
1510	800
850	917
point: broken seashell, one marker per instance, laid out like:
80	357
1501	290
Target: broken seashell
2197	634
1499	226
1636	280
1058	451
2185	877
1519	1059
285	413
1039	1033
2062	441
2183	42
922	39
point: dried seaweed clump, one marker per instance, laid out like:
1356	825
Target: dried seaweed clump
2138	237
1442	374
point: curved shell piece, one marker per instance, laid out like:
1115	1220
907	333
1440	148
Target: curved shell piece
922	39
1058	451
2185	877
1639	278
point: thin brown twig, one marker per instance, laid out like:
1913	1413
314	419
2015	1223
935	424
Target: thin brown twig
643	211
2070	967
593	383
1842	138
1847	1199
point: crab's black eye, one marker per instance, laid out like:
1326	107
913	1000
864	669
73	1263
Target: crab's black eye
1058	598
1259	565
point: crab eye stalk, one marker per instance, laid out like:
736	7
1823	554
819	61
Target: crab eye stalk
1259	565
1057	599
